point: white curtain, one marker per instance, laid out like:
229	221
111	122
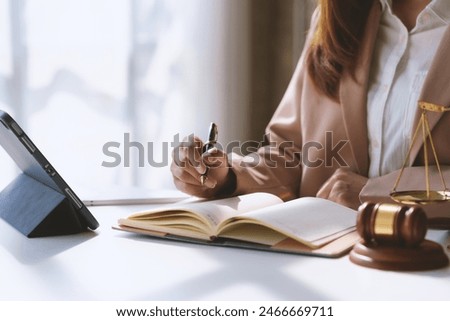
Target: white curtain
82	75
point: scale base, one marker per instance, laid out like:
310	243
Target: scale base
427	256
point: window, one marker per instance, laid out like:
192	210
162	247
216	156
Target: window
83	76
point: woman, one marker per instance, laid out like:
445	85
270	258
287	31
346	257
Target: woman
344	124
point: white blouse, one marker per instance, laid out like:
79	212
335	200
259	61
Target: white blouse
400	64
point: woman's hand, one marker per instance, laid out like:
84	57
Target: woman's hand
343	187
189	164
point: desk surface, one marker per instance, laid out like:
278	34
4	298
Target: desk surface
114	265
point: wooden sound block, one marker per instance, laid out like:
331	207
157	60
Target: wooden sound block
427	255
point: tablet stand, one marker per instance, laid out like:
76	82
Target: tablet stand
36	210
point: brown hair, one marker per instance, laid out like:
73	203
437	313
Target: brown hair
336	42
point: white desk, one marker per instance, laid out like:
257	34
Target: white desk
114	265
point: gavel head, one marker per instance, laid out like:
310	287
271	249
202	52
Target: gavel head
393	224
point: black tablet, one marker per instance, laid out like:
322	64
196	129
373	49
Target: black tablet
37	168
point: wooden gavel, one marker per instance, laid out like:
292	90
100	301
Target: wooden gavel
391	224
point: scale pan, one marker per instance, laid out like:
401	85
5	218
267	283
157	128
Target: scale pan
420	197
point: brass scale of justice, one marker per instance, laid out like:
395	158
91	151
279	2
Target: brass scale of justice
387	229
423	196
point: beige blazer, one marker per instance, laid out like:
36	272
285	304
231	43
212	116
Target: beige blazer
326	135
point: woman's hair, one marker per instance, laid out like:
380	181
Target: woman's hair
336	42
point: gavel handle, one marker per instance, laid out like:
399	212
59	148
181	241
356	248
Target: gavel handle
438	223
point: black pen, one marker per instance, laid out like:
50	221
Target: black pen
210	143
212	138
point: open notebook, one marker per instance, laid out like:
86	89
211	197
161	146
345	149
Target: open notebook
259	221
